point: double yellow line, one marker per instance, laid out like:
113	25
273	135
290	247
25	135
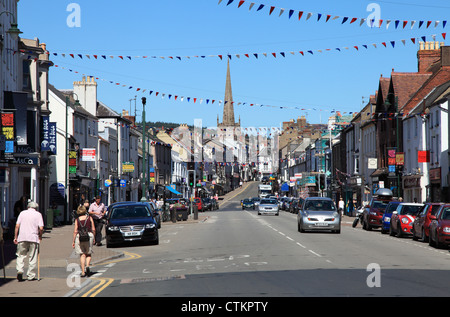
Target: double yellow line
105	282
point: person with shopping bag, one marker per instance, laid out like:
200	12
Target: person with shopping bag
83	239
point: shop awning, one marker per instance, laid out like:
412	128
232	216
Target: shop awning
173	190
285	187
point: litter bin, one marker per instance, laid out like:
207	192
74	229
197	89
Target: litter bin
49	224
182	214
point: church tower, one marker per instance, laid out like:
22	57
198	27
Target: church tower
228	106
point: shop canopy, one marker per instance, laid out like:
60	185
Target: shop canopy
285	187
173	190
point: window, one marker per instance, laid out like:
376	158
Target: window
26	85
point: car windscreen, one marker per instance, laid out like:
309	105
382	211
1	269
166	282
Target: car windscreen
410	210
380	204
248	201
445	213
268	202
123	212
320	205
391	207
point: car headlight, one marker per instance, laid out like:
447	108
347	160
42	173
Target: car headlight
387	219
113	228
373	213
150	226
405	220
446	229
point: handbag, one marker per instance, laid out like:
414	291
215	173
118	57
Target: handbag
83	231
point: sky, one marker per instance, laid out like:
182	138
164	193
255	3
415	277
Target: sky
267	89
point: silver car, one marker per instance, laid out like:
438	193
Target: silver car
318	213
268	206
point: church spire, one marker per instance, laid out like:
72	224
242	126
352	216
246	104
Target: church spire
228	107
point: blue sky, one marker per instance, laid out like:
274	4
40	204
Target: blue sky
287	87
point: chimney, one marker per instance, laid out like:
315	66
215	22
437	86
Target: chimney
428	54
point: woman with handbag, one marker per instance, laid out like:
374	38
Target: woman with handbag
83	239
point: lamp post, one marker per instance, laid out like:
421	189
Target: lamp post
144	153
13	30
66	178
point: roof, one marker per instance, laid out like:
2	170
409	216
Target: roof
440	77
405	85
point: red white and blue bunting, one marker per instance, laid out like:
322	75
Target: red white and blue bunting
305	16
255	55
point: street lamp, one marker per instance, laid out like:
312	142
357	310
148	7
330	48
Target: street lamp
13	30
66	178
144	158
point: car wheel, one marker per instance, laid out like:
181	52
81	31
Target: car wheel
156	242
430	240
414	237
391	231
399	231
424	236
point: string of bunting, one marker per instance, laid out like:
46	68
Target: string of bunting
344	19
188	99
283	54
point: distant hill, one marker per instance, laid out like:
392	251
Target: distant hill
160	124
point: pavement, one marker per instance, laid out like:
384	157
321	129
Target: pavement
56	274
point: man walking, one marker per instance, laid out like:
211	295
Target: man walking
27	236
97	210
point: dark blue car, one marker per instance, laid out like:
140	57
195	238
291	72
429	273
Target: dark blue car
130	221
386	220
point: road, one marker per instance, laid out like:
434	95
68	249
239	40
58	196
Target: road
236	253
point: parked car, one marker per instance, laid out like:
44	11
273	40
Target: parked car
285	203
403	218
421	225
268	206
373	213
130	221
295	205
206	202
440	228
197	201
319	213
386	220
248	204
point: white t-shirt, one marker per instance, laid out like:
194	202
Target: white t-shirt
29	220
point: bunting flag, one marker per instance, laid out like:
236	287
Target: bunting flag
373	116
198	100
344	19
238	56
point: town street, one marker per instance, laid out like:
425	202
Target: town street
238	253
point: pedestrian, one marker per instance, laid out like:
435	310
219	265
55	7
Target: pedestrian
83	247
97	210
341	206
20	205
27	236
